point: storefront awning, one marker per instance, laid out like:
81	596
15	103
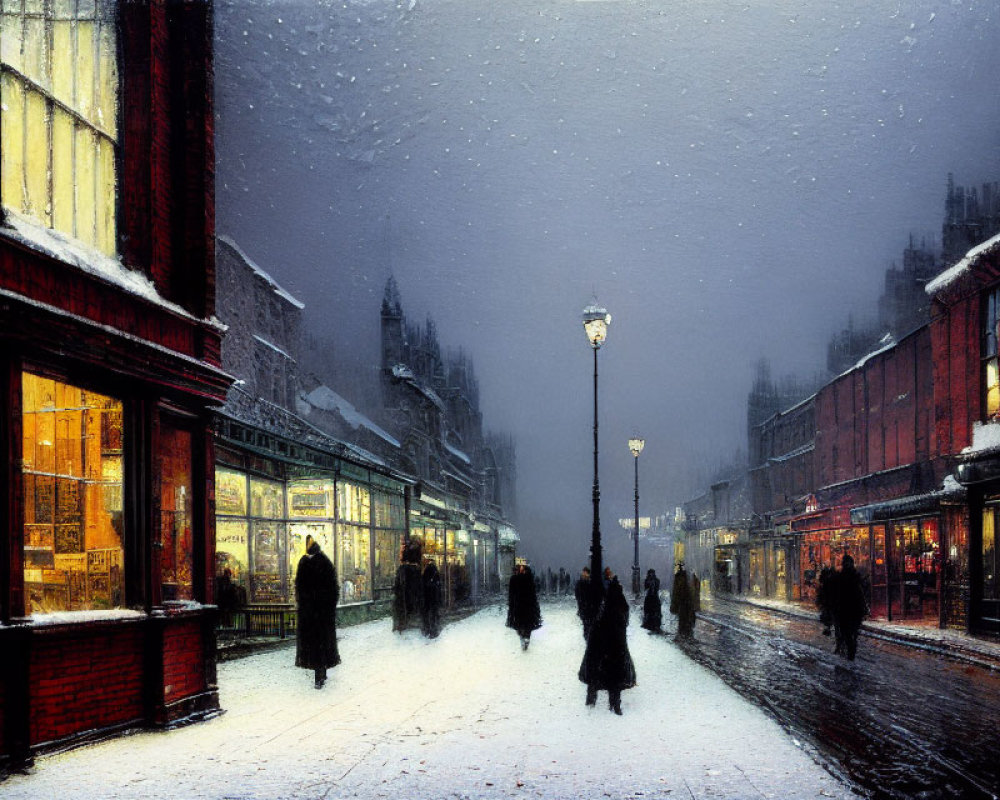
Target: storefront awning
903	507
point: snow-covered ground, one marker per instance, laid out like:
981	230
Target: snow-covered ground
468	715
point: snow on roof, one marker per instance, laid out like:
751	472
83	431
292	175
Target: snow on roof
256	268
272	346
951	274
325	398
457	453
57	245
985	436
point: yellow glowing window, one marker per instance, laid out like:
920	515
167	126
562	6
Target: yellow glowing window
72	467
58	115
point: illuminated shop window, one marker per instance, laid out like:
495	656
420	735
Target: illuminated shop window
58	127
990	558
232	550
322	532
310	499
267	556
991	367
390	520
72	467
230	493
177	547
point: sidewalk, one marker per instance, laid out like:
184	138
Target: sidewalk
961	646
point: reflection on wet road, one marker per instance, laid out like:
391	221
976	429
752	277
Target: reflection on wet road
898	722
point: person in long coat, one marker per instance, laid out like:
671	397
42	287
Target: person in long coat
849	607
316	592
407	589
652	611
607	664
682	603
586	609
431	614
523	613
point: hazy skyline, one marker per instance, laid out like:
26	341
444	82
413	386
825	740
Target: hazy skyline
730	179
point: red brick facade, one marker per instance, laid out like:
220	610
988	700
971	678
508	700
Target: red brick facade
155	349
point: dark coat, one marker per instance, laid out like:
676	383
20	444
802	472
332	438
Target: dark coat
652	612
848	603
607	663
523	613
316	591
587	605
431	612
682	603
407	596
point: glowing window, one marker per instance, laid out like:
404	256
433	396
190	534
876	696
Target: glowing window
72	467
58	115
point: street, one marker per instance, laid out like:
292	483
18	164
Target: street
468	715
899	722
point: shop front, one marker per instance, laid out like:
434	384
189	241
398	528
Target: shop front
981	474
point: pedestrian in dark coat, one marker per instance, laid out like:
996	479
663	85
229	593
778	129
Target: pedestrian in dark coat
682	603
607	663
316	592
849	606
407	589
586	609
431	616
523	613
652	611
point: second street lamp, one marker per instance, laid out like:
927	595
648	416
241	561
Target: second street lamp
595	322
635	444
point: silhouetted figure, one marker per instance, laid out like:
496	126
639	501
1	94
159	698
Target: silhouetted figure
407	589
431	614
696	591
227	597
682	603
607	663
824	591
586	607
316	592
523	613
652	611
849	606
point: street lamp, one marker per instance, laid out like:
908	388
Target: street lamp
635	444
595	322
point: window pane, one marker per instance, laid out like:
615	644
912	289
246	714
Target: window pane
86	168
35	64
177	551
266	584
310	498
36	154
266	499
86	70
11	35
107	108
62	170
105	207
991	589
992	388
352	563
12	142
73	553
322	532
230	492
63	60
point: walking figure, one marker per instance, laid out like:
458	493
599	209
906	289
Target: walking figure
431	619
586	609
316	592
523	613
682	602
652	611
849	607
607	663
407	590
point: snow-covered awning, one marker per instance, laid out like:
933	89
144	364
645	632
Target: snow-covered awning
326	399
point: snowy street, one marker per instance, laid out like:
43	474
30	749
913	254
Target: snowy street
468	715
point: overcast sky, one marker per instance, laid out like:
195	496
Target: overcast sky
731	179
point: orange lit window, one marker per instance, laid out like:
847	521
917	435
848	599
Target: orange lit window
991	366
72	467
177	547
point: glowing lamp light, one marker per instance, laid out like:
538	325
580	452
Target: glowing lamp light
595	321
635	445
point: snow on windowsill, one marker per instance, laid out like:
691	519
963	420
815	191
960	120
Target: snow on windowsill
76	617
984	437
52	243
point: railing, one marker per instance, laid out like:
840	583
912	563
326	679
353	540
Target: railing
273	619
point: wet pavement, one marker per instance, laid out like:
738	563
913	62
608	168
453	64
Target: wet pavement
898	722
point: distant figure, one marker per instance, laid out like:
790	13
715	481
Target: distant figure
408	588
824	598
849	606
227	597
608	575
523	613
652	611
431	614
586	608
682	603
607	663
696	591
316	593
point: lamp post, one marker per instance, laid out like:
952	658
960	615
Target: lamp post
595	322
635	444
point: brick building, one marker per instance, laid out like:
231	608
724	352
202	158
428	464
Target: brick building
109	363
